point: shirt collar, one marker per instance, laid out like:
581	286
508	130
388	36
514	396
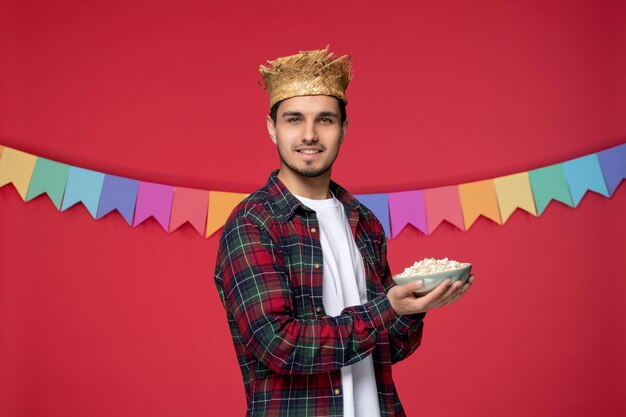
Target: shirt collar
287	203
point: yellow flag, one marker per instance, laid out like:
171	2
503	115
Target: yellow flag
514	191
16	167
479	198
220	206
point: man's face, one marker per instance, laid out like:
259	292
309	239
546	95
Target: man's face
308	134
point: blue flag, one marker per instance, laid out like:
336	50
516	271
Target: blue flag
379	204
118	194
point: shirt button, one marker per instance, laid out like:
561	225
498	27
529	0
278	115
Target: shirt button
313	230
316	266
318	309
337	391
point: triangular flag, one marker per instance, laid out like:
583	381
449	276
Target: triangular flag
17	167
379	204
584	174
549	183
154	200
613	163
220	206
190	205
407	207
1	148
49	177
443	203
119	194
83	186
479	198
514	192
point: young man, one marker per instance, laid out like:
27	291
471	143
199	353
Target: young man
302	266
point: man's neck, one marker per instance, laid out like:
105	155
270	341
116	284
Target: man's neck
315	188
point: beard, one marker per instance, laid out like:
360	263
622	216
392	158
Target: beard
309	170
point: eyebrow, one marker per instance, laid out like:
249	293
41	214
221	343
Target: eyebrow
292	113
300	114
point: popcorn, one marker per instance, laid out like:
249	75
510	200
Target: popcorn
430	266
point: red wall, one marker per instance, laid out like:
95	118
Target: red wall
99	319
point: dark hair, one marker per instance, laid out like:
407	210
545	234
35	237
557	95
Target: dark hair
342	110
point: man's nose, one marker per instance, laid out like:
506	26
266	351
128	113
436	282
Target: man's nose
310	134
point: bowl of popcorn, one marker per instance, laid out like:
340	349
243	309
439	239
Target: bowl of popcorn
433	272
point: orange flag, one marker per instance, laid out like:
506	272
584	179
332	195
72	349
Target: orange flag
17	167
479	198
220	206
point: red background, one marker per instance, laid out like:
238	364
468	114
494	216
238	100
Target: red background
99	319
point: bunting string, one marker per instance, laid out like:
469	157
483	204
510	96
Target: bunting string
206	211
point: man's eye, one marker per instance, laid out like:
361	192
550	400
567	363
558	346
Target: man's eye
293	120
326	120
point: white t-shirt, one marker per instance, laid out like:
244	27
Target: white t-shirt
344	286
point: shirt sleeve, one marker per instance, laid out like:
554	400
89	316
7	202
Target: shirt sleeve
405	332
256	291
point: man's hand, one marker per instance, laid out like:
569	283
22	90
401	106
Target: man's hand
404	301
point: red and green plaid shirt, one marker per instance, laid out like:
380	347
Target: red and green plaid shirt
269	277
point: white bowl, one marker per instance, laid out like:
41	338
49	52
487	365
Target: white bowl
431	281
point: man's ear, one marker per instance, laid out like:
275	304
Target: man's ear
271	128
344	128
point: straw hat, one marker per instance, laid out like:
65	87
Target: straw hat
307	73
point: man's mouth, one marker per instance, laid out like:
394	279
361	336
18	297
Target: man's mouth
308	151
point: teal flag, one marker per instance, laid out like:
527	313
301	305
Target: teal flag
549	183
48	177
83	186
584	174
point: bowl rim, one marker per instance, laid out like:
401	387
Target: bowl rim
464	265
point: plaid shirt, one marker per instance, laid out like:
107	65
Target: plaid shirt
269	277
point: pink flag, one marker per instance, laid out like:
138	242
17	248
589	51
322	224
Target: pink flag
154	200
407	207
190	205
443	204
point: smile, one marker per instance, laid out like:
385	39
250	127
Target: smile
309	151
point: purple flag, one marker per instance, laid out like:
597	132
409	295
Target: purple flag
119	194
154	200
613	164
407	207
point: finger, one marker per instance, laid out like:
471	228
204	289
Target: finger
461	292
454	291
452	294
451	298
465	285
469	283
436	293
407	289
